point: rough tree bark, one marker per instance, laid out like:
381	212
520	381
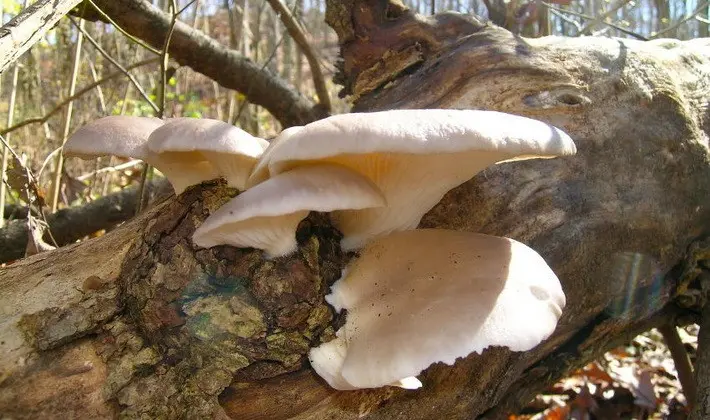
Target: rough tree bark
28	27
141	323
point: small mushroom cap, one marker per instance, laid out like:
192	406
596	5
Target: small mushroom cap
413	156
228	150
424	296
204	134
117	135
267	215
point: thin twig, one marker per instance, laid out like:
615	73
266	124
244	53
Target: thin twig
83	91
47	160
10	118
297	32
99	90
115	63
104	111
600	18
613	25
117	168
165	57
675	26
31	187
681	361
121	30
59	166
567	19
190	3
263	66
7	147
160	113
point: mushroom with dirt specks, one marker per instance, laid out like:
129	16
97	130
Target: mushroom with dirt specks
413	156
419	297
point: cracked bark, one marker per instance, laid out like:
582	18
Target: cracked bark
28	27
139	322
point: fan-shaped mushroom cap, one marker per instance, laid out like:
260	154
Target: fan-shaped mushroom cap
267	215
424	296
197	149
117	135
413	156
328	359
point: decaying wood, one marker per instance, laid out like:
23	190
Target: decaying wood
141	323
28	27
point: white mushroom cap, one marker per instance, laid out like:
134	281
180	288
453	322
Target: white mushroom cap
117	135
328	359
267	215
201	149
413	156
425	296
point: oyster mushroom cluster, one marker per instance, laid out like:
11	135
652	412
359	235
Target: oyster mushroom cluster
413	297
186	150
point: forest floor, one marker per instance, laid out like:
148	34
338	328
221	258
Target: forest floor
634	381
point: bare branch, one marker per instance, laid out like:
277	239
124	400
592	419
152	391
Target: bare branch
297	32
203	54
83	91
28	27
595	20
110	169
66	123
681	362
675	26
73	223
587	29
113	61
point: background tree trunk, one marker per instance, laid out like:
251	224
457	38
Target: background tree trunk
139	322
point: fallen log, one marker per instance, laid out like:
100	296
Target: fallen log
140	322
73	223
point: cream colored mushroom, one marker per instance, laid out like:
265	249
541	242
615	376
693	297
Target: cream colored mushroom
267	215
187	150
419	297
117	135
193	150
413	156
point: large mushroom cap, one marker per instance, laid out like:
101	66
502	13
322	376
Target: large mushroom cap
267	215
413	156
117	135
194	150
424	296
